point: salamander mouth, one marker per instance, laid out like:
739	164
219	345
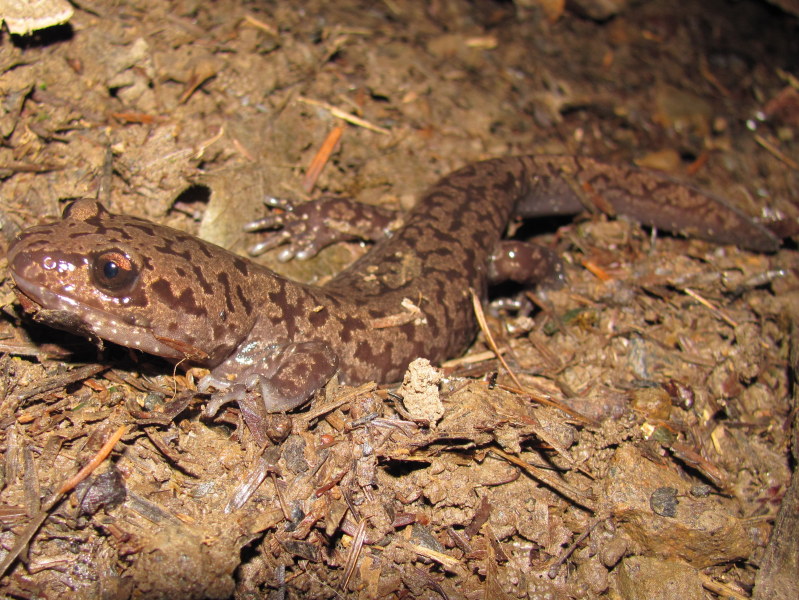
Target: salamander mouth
63	312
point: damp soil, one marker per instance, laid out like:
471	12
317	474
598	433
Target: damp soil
641	452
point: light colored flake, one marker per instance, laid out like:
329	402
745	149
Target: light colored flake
26	16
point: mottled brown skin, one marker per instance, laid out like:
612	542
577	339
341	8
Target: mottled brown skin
150	287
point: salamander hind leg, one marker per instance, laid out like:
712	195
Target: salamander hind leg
525	263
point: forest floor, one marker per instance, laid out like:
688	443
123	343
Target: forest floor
662	477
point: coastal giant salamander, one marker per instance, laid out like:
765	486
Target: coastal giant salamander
165	292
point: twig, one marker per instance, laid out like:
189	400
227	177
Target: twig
262	25
776	152
95	462
354	553
60	381
724	590
574	494
349	118
597	271
319	411
320	159
481	320
444	560
553	570
711	307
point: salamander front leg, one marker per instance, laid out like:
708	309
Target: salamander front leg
305	229
283	378
303	370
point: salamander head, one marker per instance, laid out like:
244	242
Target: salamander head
133	283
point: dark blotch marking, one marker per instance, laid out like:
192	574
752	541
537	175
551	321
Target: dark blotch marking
204	283
241	265
244	301
144	227
45	244
167	248
350	326
364	352
97	224
184	302
279	301
318	318
122	231
225	281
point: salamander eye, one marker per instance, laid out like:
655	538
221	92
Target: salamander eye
114	272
